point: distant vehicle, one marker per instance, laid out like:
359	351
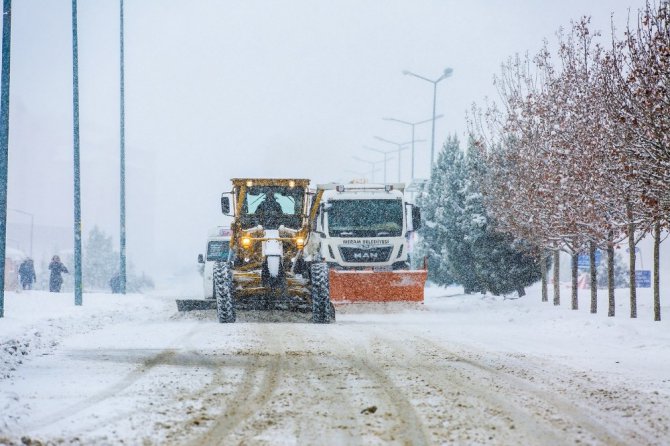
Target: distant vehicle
218	248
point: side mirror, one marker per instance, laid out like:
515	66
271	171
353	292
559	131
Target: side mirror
416	218
201	259
225	205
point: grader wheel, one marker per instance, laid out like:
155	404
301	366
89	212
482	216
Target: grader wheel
223	291
323	311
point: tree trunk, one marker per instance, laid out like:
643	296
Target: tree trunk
557	279
631	261
521	291
657	247
543	271
594	277
610	273
575	276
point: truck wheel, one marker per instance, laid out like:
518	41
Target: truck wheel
323	311
223	292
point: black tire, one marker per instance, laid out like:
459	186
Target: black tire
223	292
323	311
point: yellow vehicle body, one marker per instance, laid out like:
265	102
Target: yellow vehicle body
250	235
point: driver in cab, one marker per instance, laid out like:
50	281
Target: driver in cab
269	211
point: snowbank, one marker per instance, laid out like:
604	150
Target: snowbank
36	321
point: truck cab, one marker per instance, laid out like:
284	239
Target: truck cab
364	226
217	249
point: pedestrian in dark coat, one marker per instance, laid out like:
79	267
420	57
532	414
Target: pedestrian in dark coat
115	283
55	279
27	274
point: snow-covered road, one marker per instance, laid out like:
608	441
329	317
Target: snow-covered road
458	370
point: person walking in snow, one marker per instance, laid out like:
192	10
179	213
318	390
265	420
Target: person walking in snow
56	279
27	274
115	283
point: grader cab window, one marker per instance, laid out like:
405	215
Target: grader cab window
272	206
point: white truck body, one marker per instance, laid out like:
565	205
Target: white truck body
363	226
217	248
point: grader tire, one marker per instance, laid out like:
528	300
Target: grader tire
323	311
223	291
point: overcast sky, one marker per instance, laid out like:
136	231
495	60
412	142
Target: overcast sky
220	89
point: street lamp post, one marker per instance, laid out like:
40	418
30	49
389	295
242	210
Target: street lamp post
4	140
373	166
400	146
78	298
122	182
386	154
413	125
447	72
32	227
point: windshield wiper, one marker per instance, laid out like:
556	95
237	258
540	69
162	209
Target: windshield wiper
383	233
346	233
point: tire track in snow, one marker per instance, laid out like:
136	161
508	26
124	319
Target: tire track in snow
409	426
310	367
532	401
601	422
490	407
251	396
163	357
184	358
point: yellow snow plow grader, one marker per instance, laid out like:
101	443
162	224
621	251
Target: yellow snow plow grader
265	269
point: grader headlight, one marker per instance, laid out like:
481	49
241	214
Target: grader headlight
300	241
246	242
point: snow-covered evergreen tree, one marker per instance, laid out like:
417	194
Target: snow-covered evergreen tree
99	260
459	236
100	263
434	203
503	264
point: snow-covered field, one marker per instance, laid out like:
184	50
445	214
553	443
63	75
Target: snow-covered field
457	370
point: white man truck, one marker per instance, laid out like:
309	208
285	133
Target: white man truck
363	232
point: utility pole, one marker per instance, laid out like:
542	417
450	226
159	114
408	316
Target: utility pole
122	236
77	183
413	125
401	147
447	73
386	154
372	164
4	141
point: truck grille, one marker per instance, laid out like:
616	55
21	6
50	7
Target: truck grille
366	255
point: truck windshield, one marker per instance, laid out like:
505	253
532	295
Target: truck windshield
218	250
272	206
365	218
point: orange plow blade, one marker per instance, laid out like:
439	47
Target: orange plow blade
377	286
